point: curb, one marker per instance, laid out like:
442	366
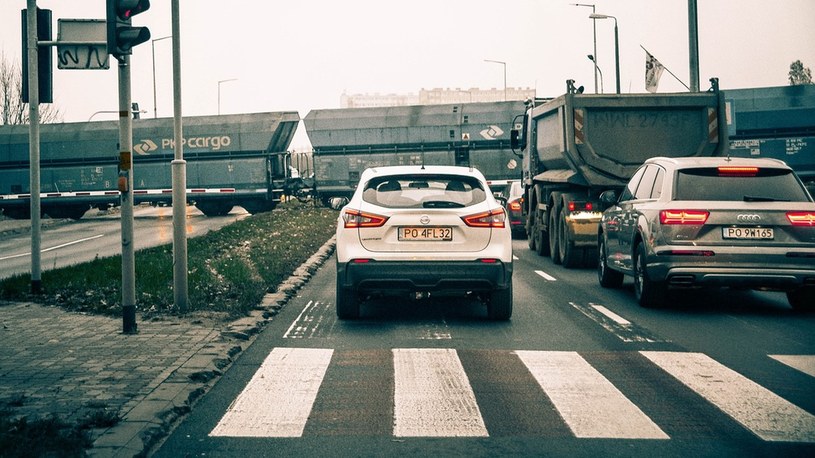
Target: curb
148	421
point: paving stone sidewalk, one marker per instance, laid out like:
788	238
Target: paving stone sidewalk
78	365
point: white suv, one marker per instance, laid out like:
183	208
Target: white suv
426	230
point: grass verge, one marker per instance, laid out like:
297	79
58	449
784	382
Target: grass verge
229	269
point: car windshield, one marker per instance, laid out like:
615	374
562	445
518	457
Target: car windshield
424	191
768	184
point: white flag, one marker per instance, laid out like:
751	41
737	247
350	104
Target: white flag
653	71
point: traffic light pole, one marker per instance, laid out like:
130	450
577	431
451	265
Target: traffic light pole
126	190
34	145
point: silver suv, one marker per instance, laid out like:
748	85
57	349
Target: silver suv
697	222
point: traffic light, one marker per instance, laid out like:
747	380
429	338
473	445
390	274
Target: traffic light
45	70
122	36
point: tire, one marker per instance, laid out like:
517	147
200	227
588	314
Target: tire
608	278
570	256
347	304
554	236
650	294
541	245
802	299
532	241
499	307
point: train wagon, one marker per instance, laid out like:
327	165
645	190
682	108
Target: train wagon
232	160
346	141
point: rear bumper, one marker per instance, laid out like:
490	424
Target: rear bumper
433	276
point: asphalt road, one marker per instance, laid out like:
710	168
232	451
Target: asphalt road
578	371
67	242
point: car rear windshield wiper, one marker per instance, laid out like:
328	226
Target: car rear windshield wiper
763	199
441	204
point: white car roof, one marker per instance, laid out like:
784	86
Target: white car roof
368	174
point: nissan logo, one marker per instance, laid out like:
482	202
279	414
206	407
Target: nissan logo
745	218
424	219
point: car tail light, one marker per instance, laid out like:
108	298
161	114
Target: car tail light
737	171
356	219
801	218
515	205
494	218
683	216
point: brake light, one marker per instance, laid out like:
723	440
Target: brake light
801	218
355	219
515	205
737	171
580	206
494	218
683	216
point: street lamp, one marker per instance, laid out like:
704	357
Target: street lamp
153	47
616	43
597	68
505	74
594	26
219	91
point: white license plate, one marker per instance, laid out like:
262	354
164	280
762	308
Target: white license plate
437	234
748	233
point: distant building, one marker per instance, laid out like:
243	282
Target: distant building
436	96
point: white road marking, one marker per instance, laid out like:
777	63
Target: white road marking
617	318
545	275
53	247
804	363
763	412
278	399
309	323
589	404
432	395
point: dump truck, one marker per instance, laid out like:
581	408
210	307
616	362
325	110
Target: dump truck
346	141
577	145
231	160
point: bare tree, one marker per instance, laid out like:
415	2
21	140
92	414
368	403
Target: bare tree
800	74
12	108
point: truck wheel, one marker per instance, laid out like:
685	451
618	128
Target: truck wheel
532	240
541	244
499	307
554	236
649	293
608	278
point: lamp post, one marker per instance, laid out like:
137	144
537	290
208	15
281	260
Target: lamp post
153	48
616	43
219	91
597	68
594	27
505	74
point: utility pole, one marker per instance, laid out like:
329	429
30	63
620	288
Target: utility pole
34	144
179	171
693	42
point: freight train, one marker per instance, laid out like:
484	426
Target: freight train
231	160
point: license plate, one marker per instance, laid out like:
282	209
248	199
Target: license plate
748	233
435	234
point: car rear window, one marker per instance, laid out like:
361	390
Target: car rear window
766	184
424	191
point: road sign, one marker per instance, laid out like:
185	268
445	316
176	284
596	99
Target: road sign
82	44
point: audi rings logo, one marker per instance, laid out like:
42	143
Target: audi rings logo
748	218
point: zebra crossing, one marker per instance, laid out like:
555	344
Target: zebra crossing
439	392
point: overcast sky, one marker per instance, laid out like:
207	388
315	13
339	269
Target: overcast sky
303	54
